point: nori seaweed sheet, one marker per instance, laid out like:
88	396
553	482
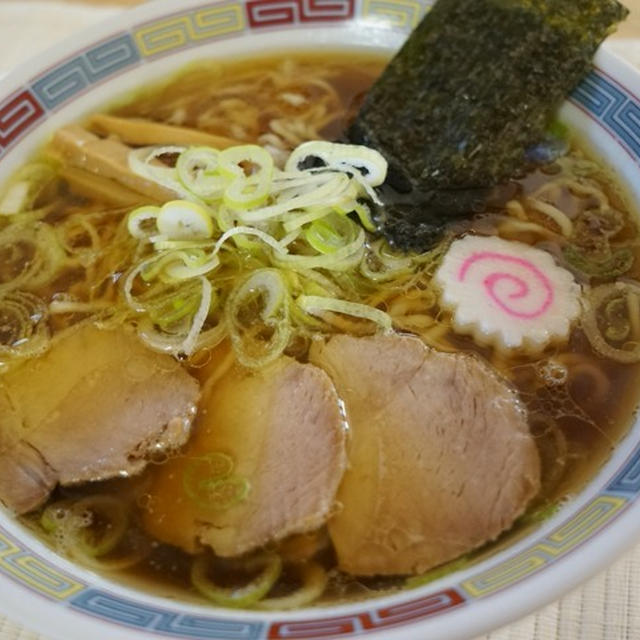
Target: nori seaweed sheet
473	88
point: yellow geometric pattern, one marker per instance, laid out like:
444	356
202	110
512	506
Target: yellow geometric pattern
34	573
176	32
399	14
588	520
217	21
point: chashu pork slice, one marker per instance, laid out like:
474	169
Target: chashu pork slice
283	429
440	459
95	406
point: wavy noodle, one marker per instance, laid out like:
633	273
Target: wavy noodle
436	336
573	183
514	208
292	101
560	218
514	227
407	304
553	188
109	252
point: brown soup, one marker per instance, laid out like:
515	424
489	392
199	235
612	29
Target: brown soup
580	403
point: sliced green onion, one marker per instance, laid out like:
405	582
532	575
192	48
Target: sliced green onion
341	259
187	346
603	296
214	466
328	194
249	231
357	159
618	327
290	182
362	210
195	261
106	508
620	261
24	331
20	195
182	220
380	264
111	564
268	288
160	244
174	304
314	583
15	198
55	515
141	162
323	237
284	222
331	233
344	258
316	305
180	265
269	564
247	193
182	343
232	158
140	219
77	521
30	256
289	238
198	171
368	189
224	217
211	338
296	219
73	233
219	495
208	481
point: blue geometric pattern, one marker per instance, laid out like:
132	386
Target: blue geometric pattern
140	616
73	76
628	480
612	106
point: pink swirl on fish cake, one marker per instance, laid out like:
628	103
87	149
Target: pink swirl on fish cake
523	288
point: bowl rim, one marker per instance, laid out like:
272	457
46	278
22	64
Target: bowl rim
370	616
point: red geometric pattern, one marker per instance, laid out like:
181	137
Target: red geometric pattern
17	114
362	622
269	13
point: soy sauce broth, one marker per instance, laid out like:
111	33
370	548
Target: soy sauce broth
243	100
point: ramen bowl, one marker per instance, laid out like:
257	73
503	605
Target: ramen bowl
63	600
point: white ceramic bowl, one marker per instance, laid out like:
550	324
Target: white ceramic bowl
64	601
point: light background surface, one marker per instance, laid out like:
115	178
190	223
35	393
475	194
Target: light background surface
605	608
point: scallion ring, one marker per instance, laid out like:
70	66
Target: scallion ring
198	170
315	305
268	564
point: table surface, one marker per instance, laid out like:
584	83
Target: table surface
605	608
